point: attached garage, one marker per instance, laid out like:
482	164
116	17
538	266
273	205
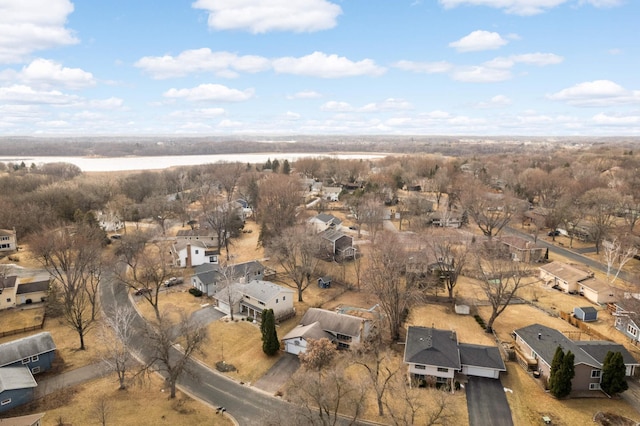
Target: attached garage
481	361
295	341
295	346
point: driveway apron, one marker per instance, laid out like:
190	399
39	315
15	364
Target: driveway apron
487	403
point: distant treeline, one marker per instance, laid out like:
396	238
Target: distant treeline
150	146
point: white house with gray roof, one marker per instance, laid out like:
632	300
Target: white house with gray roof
252	298
210	278
435	356
323	221
342	329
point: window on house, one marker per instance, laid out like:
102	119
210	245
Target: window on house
343	337
5	401
421	367
35	358
632	330
594	386
441	380
197	251
284	297
595	374
443	370
276	300
8	300
342	345
26	360
35	370
261	303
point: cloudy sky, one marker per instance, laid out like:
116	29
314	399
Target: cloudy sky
281	67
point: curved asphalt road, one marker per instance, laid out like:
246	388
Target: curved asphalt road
245	404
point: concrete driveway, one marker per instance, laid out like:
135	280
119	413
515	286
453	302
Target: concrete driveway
487	403
279	374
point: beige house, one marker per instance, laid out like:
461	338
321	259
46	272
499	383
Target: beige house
8	292
522	250
16	291
8	241
573	280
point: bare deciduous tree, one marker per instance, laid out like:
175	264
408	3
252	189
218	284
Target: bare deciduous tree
616	254
72	256
173	345
116	334
384	279
280	196
296	250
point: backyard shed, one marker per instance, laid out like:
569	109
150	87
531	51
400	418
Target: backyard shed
585	313
324	282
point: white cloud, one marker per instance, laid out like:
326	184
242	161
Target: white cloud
44	73
289	115
481	74
335	106
22	94
539	59
28	26
210	92
109	103
596	93
479	40
498	101
306	94
390	104
319	64
53	124
261	16
526	7
229	124
424	67
616	120
198	113
223	64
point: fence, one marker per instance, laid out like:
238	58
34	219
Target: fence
23	330
583	327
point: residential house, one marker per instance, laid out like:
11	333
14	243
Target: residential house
338	245
209	278
435	356
8	241
32	290
16	387
573	280
193	253
35	352
252	298
8	292
324	221
536	346
627	317
342	329
446	219
28	420
331	193
205	235
522	250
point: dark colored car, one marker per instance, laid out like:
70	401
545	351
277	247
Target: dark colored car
141	291
554	233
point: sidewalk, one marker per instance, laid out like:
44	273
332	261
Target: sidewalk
69	378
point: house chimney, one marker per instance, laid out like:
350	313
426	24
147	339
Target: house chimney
188	265
539	336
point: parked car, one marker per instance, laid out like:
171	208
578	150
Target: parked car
173	281
554	233
141	291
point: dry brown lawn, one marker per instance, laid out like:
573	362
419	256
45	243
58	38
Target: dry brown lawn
529	402
20	318
147	403
173	301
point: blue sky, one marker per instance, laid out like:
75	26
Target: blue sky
287	67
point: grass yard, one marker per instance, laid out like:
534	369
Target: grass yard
529	402
173	301
19	319
147	403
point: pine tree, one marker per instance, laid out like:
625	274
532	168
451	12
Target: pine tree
554	374
613	374
275	166
270	343
568	372
267	165
286	167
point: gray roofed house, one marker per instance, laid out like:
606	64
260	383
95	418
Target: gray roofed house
35	352
16	387
252	298
324	221
316	323
627	316
207	277
435	356
537	344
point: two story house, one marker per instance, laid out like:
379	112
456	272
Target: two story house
342	329
35	352
209	278
8	241
536	345
252	298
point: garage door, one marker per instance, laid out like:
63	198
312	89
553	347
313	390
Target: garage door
480	372
292	348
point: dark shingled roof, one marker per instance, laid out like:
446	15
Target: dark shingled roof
17	350
430	346
36	286
481	356
333	321
598	350
8	282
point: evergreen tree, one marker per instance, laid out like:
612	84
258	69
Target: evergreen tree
286	167
275	166
267	165
613	374
270	343
554	374
568	373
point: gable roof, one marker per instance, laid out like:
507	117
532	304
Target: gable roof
28	420
596	285
598	350
264	291
544	341
178	246
8	282
17	350
32	287
430	346
333	322
12	378
519	243
481	356
327	218
210	273
564	271
309	331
